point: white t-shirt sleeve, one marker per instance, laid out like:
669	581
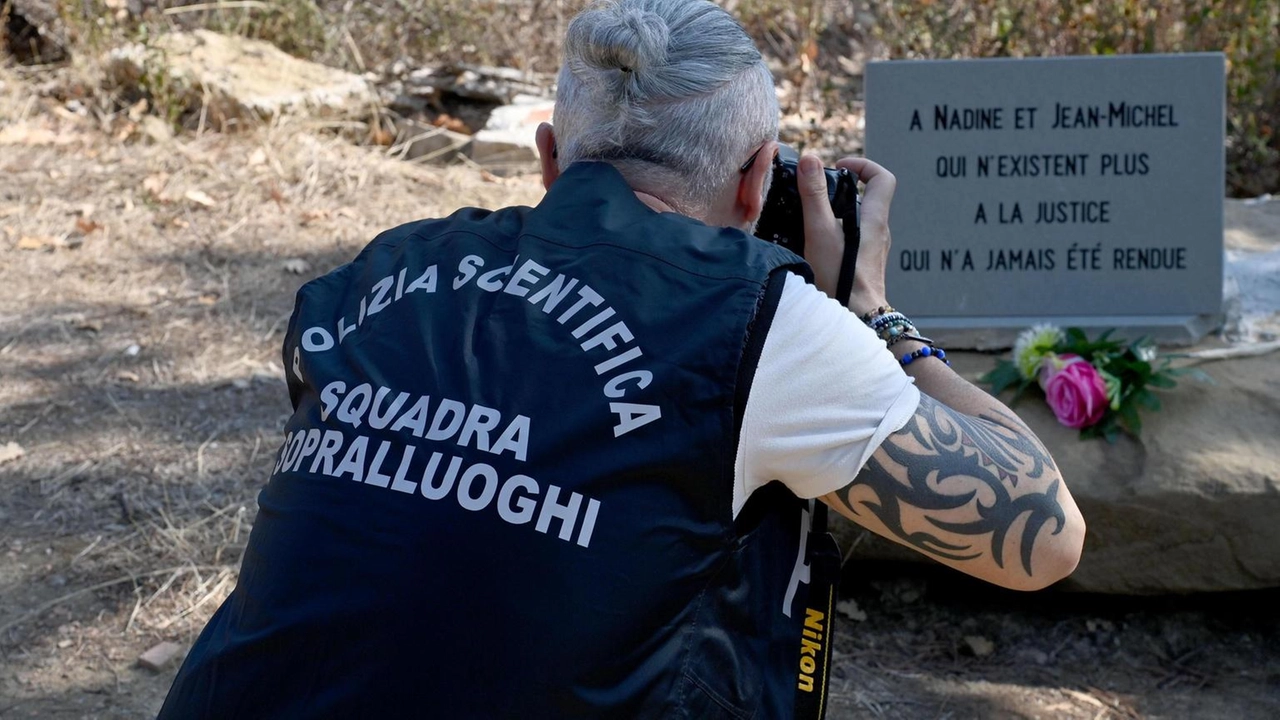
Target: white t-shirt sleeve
826	393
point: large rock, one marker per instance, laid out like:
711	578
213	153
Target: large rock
1194	505
508	137
227	77
426	143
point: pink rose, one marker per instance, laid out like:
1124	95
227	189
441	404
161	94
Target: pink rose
1075	391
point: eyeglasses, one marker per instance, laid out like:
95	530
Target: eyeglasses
752	160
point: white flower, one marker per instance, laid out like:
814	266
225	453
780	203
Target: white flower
1032	346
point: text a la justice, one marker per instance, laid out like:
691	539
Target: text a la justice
542	289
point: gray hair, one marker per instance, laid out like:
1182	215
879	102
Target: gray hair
673	93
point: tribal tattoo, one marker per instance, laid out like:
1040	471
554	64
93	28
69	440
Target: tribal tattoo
941	447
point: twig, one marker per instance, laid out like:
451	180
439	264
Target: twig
224	5
92	588
200	451
89	548
224	578
1253	350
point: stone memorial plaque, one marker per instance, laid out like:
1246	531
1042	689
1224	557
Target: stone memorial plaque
1080	191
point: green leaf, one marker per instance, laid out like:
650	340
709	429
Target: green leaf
1020	391
1004	375
1161	380
1148	401
1130	419
1112	433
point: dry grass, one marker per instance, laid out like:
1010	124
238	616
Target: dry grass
144	303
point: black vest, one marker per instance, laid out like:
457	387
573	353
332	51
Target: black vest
506	488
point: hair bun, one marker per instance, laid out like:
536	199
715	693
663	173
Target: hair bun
629	40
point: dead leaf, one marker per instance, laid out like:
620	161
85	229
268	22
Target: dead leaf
200	197
86	226
124	130
979	646
128	376
489	177
449	122
26	134
138	109
180	223
297	266
89	325
849	609
12	210
27	242
158	130
155	185
310	216
348	212
160	656
811	49
274	193
208	299
11	451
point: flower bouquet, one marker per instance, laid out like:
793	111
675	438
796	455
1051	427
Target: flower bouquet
1097	386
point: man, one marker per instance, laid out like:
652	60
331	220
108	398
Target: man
552	462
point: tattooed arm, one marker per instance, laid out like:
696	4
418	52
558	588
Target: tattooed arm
964	481
976	492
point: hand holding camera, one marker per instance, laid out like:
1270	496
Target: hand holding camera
826	196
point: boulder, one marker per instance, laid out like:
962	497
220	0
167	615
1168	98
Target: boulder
227	77
508	137
1193	504
426	143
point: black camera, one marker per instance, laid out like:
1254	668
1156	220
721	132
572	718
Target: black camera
782	220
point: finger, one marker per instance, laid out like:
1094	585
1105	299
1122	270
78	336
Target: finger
823	238
877	196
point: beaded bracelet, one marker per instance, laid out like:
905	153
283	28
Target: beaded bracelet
888	318
892	325
891	333
884	310
926	351
908	336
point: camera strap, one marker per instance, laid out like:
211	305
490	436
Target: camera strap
818	629
852	241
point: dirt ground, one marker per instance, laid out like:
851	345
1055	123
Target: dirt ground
144	289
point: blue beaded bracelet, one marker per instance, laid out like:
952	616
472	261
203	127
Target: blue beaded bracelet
887	319
926	351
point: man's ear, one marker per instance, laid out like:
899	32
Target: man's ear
750	200
546	141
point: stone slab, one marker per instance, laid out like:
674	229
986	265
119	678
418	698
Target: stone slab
232	77
1191	507
508	136
1054	188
